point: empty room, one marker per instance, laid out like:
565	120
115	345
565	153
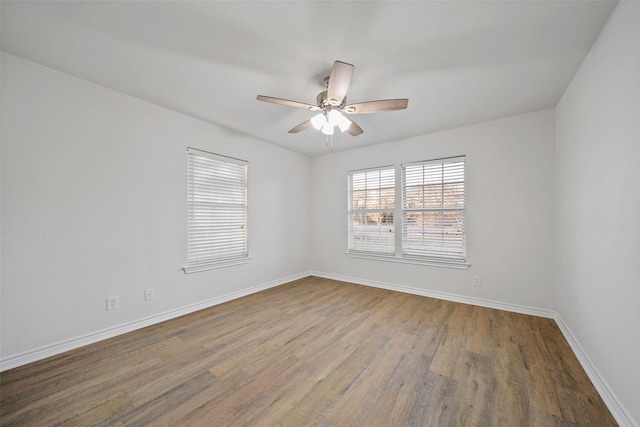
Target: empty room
320	213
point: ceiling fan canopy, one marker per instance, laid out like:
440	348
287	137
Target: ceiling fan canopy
331	104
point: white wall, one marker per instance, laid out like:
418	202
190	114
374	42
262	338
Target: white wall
94	205
509	168
598	206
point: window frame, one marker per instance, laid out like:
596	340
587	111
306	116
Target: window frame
211	176
400	255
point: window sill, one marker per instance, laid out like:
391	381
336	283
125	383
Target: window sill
431	262
214	265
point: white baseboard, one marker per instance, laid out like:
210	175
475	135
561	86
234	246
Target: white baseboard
73	343
443	295
616	407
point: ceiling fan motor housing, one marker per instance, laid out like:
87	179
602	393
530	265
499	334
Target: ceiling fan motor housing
323	102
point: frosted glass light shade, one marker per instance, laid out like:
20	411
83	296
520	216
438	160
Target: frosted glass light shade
318	121
337	119
334	117
344	123
327	129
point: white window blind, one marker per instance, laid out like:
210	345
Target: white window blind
371	211
216	210
433	209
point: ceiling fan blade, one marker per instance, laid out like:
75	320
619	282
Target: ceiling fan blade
377	106
339	82
287	102
302	126
354	129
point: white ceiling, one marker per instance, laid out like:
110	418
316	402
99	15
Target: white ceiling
458	62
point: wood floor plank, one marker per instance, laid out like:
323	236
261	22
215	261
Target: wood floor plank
102	414
319	366
363	396
434	403
414	369
243	402
392	409
195	410
315	406
161	404
248	350
316	352
479	330
448	358
539	374
473	400
515	406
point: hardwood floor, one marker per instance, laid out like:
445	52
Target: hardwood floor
316	352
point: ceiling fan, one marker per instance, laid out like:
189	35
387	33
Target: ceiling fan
332	104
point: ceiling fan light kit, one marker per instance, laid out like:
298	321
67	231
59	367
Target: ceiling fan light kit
331	104
326	122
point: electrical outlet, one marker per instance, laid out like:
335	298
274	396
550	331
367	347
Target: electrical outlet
112	303
476	281
148	294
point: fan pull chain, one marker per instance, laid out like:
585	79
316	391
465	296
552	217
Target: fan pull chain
330	141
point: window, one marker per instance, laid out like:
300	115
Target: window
429	226
216	211
371	211
433	209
